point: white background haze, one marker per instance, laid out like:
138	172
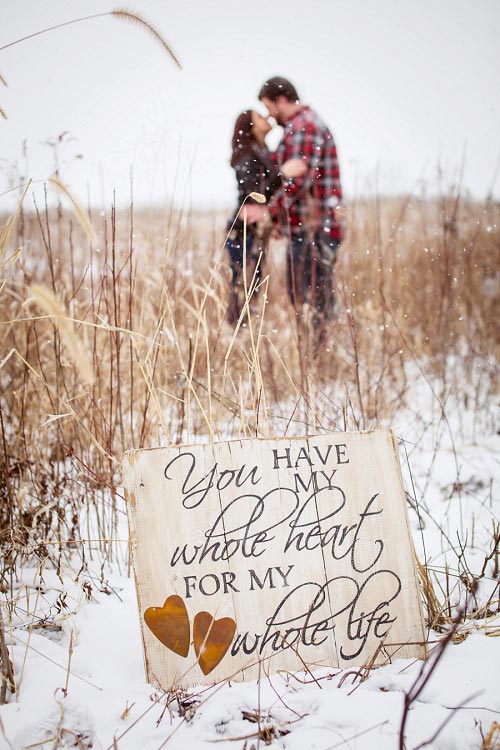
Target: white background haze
406	88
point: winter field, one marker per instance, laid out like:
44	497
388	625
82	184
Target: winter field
114	337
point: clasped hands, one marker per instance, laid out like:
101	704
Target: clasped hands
291	169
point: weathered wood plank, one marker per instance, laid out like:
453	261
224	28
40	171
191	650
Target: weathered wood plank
276	552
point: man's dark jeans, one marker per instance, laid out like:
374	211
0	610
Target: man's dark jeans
310	264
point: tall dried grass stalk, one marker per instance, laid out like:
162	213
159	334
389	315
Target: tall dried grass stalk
492	740
7	229
435	609
65	403
128	15
118	13
161	363
75	347
2	112
79	212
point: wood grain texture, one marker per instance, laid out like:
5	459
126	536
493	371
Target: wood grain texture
303	543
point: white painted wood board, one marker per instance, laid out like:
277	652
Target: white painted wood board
298	548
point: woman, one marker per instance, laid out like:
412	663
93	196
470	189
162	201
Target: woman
255	173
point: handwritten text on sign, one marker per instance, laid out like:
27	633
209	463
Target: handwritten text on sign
279	551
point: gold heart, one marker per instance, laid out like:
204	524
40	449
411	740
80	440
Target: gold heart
212	639
170	624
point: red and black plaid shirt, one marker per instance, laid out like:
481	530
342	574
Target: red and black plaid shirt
310	202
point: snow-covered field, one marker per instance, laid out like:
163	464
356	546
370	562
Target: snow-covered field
77	653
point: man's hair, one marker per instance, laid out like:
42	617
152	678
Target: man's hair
278	86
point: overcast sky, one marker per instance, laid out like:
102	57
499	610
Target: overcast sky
406	87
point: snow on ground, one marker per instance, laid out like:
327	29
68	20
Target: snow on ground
80	670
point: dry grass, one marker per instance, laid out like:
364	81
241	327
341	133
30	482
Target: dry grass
416	283
130	16
121	342
492	740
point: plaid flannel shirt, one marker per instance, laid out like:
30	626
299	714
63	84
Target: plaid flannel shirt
310	202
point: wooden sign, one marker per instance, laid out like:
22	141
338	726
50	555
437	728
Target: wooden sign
258	555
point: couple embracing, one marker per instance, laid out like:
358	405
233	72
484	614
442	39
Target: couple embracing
301	183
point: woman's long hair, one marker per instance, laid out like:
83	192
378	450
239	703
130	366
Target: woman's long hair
243	137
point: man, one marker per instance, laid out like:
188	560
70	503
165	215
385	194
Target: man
307	207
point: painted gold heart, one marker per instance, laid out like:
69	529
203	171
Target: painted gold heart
212	639
170	624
